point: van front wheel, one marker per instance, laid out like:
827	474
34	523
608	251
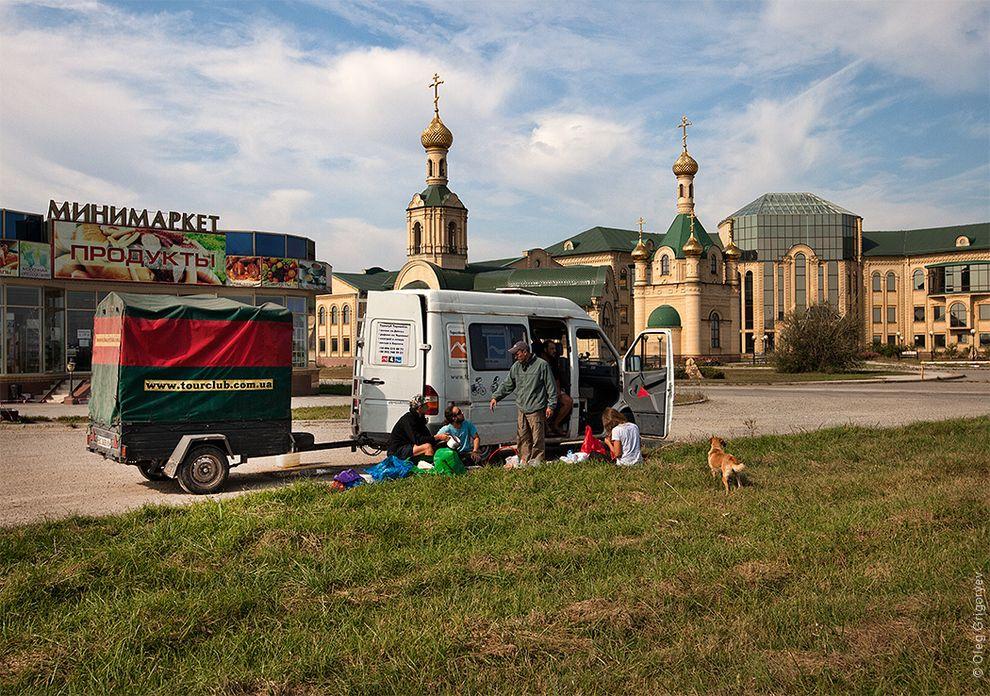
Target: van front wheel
205	470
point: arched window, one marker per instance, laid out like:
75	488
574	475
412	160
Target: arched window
690	190
800	282
417	240
333	315
748	301
876	282
891	282
919	279
664	265
322	316
429	167
443	167
680	190
452	237
715	329
346	314
624	279
713	263
957	315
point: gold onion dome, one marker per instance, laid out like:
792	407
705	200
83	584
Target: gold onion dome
685	164
437	135
732	251
640	252
692	247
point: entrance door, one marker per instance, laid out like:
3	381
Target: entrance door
391	359
489	340
648	381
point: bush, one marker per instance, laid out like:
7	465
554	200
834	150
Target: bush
820	339
712	373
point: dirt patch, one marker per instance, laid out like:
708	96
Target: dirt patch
601	611
794	664
879	571
760	572
622	542
912	517
15	664
639	497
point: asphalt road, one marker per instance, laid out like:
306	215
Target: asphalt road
46	472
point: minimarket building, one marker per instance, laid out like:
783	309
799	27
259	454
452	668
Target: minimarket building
55	269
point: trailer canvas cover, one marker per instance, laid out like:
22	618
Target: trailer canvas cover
161	359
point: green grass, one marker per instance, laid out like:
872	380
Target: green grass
67	420
848	565
749	375
342	412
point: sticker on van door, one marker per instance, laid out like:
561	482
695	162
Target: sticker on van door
392	343
456	346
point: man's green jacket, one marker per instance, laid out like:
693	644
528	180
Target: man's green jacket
533	383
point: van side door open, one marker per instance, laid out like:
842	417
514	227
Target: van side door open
648	381
391	370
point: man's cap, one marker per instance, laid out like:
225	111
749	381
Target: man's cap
417	401
518	346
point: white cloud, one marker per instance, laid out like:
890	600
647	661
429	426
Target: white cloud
355	245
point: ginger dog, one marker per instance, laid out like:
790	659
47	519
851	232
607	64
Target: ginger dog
719	461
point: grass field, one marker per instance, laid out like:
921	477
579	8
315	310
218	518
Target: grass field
750	375
847	565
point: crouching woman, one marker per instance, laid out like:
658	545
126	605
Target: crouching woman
621	438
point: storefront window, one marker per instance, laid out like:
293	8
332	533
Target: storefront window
79	328
269	244
54	336
295	247
240	244
300	335
22	329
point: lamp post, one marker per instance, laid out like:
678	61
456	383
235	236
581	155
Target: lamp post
898	346
70	367
931	344
972	344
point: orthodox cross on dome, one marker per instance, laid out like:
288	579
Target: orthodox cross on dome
436	92
683	125
692	224
641	222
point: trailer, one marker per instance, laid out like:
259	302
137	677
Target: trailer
188	387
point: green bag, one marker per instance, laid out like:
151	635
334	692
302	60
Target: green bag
446	462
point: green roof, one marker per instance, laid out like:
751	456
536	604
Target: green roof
931	240
372	279
790	204
496	263
680	231
949	264
599	240
576	283
437	195
664	317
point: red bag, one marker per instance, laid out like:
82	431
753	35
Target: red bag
591	444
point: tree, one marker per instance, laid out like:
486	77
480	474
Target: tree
819	339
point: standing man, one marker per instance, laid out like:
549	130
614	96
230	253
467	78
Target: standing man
536	397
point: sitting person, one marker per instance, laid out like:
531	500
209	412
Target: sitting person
468	441
410	437
562	376
621	438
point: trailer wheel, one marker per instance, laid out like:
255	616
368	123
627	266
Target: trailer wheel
205	470
153	470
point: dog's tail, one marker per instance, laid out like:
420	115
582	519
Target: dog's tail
738	465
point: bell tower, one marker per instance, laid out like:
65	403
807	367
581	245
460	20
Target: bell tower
436	220
684	169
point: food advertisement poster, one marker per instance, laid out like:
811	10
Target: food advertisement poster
313	275
36	260
85	251
279	273
244	271
9	258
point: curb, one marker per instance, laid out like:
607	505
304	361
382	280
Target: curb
878	380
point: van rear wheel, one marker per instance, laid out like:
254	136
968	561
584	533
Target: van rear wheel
204	470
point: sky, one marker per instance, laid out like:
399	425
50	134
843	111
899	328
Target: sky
304	116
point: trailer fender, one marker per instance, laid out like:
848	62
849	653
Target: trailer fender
187	442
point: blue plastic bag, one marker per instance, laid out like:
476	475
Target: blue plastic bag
390	468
